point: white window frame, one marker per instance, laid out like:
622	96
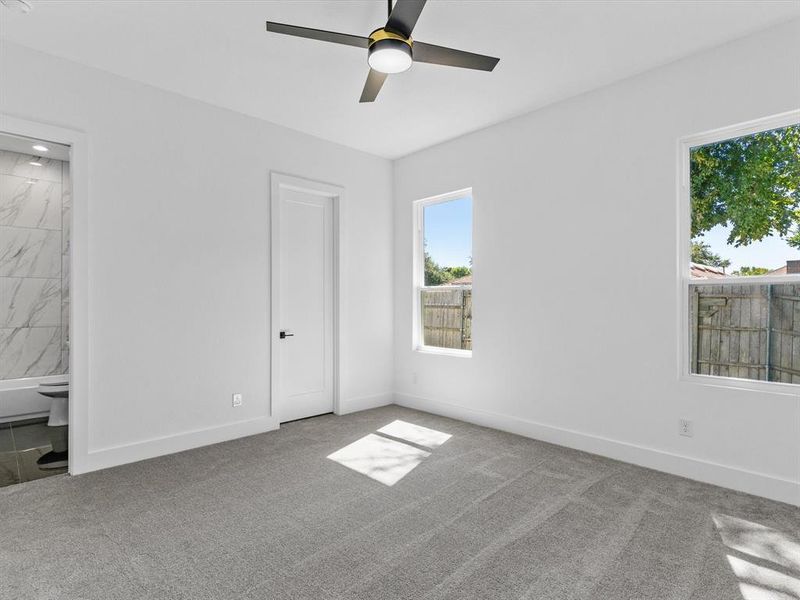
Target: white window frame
685	146
418	271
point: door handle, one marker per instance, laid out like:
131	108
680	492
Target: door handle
284	335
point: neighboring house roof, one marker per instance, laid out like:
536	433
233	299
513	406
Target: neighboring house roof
700	271
466	280
792	267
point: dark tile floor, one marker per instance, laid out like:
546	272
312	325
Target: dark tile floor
21	445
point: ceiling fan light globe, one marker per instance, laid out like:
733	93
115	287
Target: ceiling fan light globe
390	56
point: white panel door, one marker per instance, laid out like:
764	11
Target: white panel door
305	304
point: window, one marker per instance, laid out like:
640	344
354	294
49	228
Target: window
740	253
443	274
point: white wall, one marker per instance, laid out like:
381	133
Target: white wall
178	247
575	296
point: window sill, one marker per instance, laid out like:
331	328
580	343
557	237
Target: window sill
444	351
751	385
745	280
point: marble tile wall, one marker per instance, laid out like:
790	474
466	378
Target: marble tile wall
35	209
66	223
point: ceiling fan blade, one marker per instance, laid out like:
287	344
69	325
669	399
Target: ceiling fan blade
404	16
439	55
372	86
319	34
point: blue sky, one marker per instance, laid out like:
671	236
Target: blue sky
771	252
448	232
448	236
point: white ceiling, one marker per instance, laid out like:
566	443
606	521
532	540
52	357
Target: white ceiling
219	52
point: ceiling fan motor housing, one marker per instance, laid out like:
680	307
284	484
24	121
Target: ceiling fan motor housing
390	49
389	52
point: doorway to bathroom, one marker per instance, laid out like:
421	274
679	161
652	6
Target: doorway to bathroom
305	220
35	299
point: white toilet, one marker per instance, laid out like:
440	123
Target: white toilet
57	424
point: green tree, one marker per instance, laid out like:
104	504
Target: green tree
458	272
434	274
701	253
751	184
751	271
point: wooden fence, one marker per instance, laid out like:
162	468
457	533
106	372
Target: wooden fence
746	331
447	317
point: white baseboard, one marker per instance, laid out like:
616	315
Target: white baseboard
352	405
104	458
774	488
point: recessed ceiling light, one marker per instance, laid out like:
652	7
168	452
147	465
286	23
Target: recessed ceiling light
35	163
40	148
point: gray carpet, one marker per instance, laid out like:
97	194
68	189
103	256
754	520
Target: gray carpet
486	515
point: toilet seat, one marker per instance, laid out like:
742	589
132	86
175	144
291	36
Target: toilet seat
58	389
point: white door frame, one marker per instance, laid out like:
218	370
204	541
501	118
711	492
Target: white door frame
79	279
335	194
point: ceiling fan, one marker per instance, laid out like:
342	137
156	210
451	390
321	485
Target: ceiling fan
390	49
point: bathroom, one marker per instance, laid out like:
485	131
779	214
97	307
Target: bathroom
35	217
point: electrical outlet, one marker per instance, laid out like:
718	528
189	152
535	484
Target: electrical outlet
414	378
685	427
237	400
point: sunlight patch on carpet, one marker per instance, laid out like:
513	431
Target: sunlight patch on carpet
761	583
759	541
416	434
380	458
